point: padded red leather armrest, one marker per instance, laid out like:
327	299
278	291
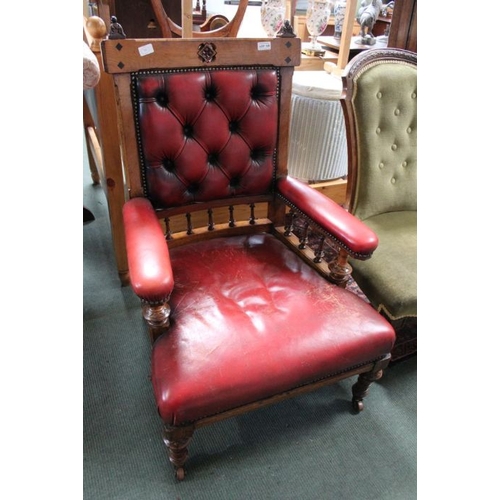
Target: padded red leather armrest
150	270
357	238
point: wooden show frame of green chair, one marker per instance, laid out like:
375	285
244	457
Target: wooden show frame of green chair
380	108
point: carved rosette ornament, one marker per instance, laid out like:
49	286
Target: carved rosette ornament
207	52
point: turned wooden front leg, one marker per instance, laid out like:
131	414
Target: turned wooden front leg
365	380
177	439
340	269
157	318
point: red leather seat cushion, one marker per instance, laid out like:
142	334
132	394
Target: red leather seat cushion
251	320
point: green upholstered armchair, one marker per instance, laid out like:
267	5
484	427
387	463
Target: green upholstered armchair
380	107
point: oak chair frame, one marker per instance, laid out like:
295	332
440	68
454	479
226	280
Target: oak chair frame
202	221
103	145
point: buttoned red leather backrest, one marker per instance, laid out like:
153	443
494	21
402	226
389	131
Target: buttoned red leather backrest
206	134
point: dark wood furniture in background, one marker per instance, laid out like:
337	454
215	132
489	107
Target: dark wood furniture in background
404	22
200	14
216	26
139	21
139	18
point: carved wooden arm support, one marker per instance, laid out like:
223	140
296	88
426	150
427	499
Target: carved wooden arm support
352	236
151	275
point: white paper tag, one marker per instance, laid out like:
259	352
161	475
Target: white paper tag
146	49
263	45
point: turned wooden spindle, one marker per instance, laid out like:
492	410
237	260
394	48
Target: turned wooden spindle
289	225
319	253
176	440
211	226
168	231
96	28
252	214
189	223
157	317
340	269
365	380
231	216
361	387
304	240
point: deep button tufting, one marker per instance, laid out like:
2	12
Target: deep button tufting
188	130
397	112
168	164
234	127
381	164
257	155
414	95
393	180
256	92
408	130
378	130
194	155
210	93
379	95
213	159
162	99
235	182
394	147
404	164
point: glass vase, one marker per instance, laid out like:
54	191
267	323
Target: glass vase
339	9
317	15
272	16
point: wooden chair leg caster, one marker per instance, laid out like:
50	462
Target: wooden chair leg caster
357	405
365	380
180	474
177	439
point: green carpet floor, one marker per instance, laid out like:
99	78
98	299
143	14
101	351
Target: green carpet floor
311	447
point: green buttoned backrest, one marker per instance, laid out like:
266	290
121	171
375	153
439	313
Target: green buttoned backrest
384	104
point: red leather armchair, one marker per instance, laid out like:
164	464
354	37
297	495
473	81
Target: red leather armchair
240	311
